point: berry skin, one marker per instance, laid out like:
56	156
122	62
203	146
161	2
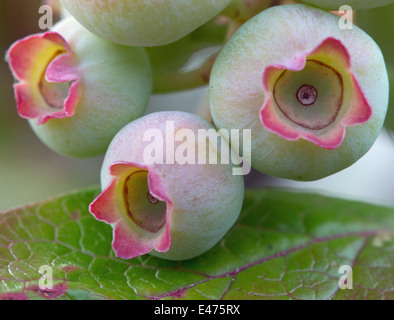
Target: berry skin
77	90
144	22
170	210
355	4
314	96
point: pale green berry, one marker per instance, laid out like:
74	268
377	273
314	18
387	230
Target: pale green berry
144	22
314	95
77	90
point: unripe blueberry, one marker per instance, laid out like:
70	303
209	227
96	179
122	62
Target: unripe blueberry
169	208
314	95
143	22
76	89
355	4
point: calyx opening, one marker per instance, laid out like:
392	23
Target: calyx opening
307	95
54	93
145	210
312	97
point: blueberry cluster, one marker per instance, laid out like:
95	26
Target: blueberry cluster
310	86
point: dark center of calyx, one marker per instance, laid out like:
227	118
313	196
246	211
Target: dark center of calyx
144	209
310	98
306	95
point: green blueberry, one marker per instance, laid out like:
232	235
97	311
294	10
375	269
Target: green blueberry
77	90
144	22
314	95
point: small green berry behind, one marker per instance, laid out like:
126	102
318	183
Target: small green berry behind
315	96
174	65
175	210
77	90
355	4
143	22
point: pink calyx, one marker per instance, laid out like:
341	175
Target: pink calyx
139	211
48	81
299	103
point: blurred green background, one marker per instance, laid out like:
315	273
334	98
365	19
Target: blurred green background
29	171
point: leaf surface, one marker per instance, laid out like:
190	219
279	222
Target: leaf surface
285	245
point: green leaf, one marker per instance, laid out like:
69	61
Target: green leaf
286	245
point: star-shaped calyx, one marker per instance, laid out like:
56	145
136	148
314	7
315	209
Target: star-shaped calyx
315	96
48	80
